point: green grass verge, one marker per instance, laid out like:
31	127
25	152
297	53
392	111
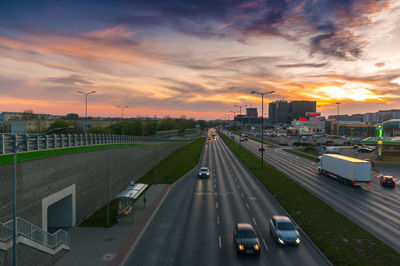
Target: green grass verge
33	155
176	165
295	152
340	239
99	218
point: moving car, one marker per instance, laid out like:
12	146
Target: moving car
283	229
387	180
365	150
261	149
245	239
204	172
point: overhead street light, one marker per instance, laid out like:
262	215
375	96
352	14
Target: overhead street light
122	110
14	184
262	123
86	96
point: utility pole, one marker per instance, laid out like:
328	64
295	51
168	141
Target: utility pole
86	96
240	128
262	123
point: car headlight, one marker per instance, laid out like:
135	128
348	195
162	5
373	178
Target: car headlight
280	241
241	247
256	247
297	240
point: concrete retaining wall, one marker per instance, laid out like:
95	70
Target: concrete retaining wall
37	179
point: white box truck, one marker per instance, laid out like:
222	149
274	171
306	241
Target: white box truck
345	169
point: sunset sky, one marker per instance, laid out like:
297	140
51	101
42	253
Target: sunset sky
198	58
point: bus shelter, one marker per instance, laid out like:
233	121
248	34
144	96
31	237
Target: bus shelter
127	197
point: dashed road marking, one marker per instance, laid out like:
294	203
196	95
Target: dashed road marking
254	220
242	194
265	244
216	205
389	222
215	185
220	242
247	206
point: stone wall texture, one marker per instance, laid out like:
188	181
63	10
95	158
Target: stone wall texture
37	179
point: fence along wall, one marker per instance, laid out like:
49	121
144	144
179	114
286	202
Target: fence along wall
44	142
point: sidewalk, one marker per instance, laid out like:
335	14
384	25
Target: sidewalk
108	246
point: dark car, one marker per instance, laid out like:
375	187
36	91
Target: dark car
365	150
245	239
261	149
329	142
204	172
387	180
355	147
283	229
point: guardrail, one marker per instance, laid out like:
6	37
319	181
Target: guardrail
45	142
34	233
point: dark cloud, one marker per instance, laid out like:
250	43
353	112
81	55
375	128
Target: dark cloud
69	80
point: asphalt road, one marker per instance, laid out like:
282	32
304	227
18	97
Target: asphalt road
375	208
195	223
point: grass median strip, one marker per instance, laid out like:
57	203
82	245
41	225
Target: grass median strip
295	152
176	165
341	240
33	155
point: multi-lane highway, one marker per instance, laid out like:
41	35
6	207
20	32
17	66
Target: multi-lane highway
195	223
375	208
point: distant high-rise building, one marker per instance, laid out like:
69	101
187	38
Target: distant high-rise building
251	112
282	112
300	108
272	113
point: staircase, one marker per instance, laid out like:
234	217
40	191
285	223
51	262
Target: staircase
33	236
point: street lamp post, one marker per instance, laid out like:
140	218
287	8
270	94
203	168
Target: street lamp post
14	186
240	130
262	123
86	96
122	114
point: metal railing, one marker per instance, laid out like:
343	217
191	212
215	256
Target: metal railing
28	230
45	142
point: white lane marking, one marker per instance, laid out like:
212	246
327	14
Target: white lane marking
214	173
364	208
215	185
265	244
254	220
242	194
389	222
217	219
220	242
247	206
216	205
215	180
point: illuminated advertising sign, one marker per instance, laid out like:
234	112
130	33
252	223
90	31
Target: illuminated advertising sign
313	114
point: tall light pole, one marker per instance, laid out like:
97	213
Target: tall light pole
122	115
86	95
122	110
262	123
240	129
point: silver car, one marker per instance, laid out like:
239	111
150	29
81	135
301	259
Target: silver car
283	229
204	172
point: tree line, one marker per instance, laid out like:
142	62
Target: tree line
136	127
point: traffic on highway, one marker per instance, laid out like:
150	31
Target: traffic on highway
226	218
374	206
